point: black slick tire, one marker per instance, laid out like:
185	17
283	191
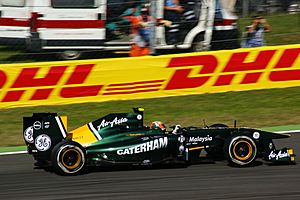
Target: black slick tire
68	158
240	150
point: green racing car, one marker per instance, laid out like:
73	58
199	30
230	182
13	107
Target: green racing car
123	139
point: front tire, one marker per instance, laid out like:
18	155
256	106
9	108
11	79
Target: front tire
240	150
68	158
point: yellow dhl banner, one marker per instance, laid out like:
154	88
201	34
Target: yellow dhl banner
53	83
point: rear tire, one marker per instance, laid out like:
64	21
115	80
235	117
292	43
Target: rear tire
240	150
68	158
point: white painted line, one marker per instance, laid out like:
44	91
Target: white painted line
295	131
12	153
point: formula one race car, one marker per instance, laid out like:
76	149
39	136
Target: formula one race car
121	138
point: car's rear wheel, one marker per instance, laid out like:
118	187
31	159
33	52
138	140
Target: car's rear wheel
68	157
240	150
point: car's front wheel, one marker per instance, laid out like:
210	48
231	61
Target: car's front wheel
240	150
68	157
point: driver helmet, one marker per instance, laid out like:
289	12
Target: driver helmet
157	125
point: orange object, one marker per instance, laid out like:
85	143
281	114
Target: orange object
135	21
138	51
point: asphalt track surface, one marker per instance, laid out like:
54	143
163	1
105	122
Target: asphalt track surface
20	180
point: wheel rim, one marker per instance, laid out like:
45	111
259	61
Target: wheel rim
242	150
71	159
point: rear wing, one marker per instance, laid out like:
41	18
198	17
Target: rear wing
42	131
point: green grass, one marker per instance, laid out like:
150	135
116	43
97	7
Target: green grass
6	53
261	108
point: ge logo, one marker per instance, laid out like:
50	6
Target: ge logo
43	142
28	134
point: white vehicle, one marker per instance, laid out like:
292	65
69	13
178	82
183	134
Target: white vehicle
74	26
